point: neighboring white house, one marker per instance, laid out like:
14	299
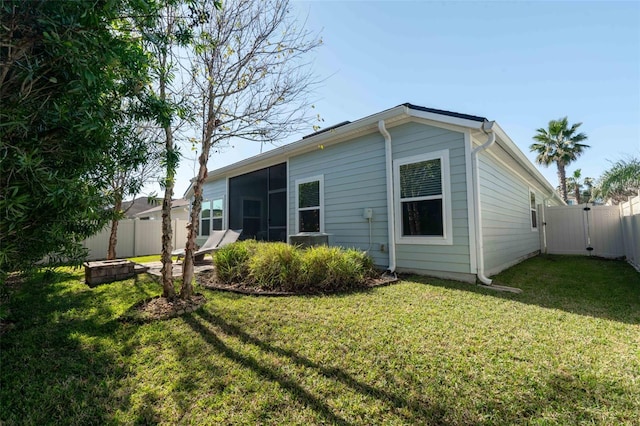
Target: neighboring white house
422	190
135	206
179	210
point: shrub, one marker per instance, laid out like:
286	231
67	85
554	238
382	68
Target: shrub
275	266
282	267
315	263
332	269
362	259
232	261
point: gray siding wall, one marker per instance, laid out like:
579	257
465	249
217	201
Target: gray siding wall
354	179
505	209
215	190
354	175
413	139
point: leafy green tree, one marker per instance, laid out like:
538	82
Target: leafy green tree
133	160
620	181
67	68
559	144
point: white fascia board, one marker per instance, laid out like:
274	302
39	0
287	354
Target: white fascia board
446	119
189	192
505	141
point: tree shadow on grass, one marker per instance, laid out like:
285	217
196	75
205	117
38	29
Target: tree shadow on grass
54	370
412	410
594	287
566	397
569	395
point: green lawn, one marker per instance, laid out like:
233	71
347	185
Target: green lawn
423	351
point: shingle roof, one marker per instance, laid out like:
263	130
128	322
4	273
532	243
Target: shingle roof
335	126
140	204
180	202
411	106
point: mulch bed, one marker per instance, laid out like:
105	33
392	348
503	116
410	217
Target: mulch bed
210	281
159	308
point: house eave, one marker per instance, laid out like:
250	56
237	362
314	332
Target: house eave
460	122
366	125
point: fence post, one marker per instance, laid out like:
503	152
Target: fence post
135	244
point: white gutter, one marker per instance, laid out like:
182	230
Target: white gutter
487	129
390	202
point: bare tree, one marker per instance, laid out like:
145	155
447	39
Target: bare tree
251	74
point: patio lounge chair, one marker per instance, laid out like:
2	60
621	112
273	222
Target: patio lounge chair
216	240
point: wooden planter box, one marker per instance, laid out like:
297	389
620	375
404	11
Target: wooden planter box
106	271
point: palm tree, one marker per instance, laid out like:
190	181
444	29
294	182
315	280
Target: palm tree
559	144
575	185
620	181
588	193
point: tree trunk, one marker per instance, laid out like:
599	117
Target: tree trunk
562	177
577	191
187	266
113	237
168	290
192	232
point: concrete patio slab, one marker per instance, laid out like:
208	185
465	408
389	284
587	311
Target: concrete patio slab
156	267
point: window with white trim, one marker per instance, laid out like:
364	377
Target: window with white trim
423	211
217	208
210	216
309	204
534	210
205	219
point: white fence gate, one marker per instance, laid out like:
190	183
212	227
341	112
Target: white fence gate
593	230
605	231
135	238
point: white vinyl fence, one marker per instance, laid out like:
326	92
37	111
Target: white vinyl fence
135	238
605	231
630	212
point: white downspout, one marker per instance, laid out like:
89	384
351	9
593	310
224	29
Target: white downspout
390	201
544	225
491	138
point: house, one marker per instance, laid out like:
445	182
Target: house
179	210
135	206
422	190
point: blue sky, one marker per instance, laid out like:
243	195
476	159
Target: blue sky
519	63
